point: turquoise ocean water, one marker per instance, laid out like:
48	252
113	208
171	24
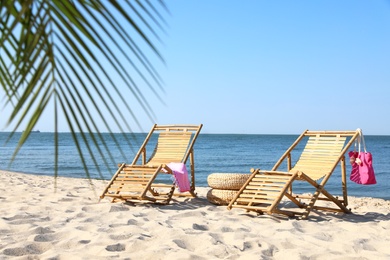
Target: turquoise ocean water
213	153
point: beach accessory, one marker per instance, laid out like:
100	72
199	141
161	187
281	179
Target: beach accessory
180	174
362	170
220	197
224	186
227	181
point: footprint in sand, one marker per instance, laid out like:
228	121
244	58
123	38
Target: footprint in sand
89	220
25	219
216	239
133	222
270	252
118	208
245	230
362	244
87	209
288	245
116	248
140	215
116	225
31	249
65	199
323	236
298	227
45	238
189	215
226	229
213	208
44	234
17	217
200	227
180	243
121	236
69	194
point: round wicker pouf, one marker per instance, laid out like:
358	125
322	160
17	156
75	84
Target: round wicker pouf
227	181
224	186
220	197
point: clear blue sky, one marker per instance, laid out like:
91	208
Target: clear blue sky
278	66
274	67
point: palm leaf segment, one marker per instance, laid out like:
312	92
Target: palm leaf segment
78	58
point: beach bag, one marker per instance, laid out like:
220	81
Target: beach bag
362	170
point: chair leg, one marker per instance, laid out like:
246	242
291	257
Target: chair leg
320	189
170	194
310	206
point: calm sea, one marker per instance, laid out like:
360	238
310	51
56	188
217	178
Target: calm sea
213	153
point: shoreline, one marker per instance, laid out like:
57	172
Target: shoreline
38	221
198	184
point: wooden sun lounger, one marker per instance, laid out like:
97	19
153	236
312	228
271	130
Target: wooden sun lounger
324	150
143	180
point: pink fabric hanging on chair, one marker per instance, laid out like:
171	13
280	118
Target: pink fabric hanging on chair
181	176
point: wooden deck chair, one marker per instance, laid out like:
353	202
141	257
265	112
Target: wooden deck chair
148	178
324	150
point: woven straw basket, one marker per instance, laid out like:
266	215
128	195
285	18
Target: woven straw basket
220	197
227	181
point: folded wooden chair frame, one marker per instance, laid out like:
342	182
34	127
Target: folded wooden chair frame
145	179
324	150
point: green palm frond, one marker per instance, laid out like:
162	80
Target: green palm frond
80	56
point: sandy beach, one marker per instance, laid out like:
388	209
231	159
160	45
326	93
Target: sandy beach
39	222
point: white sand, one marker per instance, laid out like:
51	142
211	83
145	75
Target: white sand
38	223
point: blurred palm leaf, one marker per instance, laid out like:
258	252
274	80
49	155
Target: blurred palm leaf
79	58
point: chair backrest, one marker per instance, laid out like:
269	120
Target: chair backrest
174	144
171	147
320	155
322	152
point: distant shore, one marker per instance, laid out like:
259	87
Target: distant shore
41	222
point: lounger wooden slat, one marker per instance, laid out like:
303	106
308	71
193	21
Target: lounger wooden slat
323	151
262	207
123	190
253	197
